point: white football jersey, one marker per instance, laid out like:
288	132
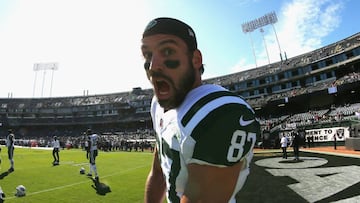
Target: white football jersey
168	145
93	141
10	140
56	144
212	126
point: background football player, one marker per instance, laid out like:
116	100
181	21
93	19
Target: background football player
93	152
56	149
10	143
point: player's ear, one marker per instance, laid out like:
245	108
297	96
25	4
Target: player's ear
197	59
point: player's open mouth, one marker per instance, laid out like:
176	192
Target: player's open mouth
162	87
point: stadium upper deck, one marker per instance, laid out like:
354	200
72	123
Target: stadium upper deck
315	80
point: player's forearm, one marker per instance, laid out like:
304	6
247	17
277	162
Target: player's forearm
154	189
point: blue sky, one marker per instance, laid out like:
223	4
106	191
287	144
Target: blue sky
96	43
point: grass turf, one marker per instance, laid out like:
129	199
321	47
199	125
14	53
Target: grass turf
122	176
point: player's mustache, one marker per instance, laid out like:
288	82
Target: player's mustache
159	75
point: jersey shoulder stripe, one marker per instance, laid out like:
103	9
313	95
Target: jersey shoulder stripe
206	98
201	103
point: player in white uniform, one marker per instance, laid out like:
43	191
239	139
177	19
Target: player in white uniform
56	149
10	143
87	149
93	152
205	134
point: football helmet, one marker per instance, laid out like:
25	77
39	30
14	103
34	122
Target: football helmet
82	170
20	191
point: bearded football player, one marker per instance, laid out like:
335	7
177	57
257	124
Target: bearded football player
205	133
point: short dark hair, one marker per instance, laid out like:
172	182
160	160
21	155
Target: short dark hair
88	131
172	26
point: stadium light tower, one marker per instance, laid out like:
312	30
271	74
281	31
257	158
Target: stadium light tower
267	53
247	29
273	21
253	25
44	67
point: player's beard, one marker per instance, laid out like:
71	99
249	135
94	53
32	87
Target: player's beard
186	83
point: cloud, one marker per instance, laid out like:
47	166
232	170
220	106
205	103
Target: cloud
306	23
302	26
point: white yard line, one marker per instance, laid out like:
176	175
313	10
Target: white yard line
78	183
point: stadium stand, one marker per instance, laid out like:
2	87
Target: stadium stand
317	87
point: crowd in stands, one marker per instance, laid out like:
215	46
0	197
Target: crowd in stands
352	77
84	109
334	114
139	140
300	60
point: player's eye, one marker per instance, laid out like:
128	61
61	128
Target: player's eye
147	56
168	52
147	65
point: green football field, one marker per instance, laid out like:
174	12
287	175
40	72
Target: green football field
316	178
122	176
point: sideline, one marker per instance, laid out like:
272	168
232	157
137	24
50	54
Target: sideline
340	151
329	150
25	147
